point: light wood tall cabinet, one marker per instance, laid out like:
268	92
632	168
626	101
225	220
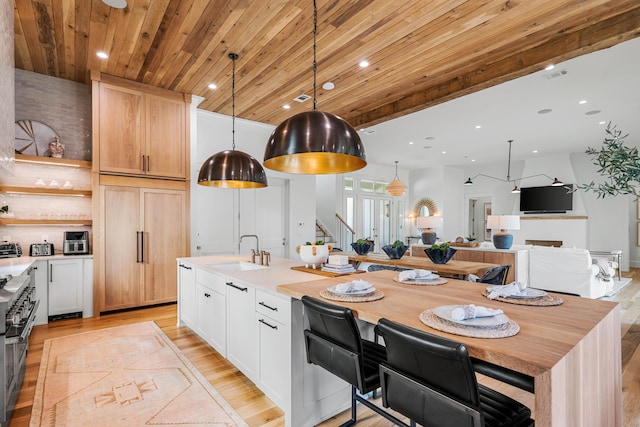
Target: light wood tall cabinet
139	129
142	232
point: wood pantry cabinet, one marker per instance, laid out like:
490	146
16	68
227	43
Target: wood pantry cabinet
139	129
142	230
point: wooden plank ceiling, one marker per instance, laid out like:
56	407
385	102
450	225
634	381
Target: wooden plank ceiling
420	52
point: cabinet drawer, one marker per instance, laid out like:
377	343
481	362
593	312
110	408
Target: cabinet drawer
211	281
273	306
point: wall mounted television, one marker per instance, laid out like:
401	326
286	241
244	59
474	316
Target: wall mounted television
547	199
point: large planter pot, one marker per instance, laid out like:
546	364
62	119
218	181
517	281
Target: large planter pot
314	255
395	253
362	248
438	256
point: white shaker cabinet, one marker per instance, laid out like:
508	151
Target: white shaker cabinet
42	291
65	286
187	295
274	332
242	343
211	310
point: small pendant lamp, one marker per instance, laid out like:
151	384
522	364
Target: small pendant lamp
232	168
396	187
314	142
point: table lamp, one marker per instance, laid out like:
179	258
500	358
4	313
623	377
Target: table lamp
427	225
502	239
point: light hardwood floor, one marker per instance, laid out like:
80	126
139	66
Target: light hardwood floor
255	408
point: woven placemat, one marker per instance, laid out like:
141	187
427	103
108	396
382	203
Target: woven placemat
508	329
439	281
376	295
545	301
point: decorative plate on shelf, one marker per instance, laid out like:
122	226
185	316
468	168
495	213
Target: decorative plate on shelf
33	138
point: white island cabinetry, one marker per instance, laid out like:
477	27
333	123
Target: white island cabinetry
242	316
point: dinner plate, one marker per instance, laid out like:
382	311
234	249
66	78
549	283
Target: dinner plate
529	293
444	312
360	293
430	278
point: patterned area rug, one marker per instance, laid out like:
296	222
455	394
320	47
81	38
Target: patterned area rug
129	375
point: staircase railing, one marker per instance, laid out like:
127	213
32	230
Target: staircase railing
324	232
345	233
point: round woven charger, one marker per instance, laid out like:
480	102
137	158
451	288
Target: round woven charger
376	295
547	300
508	329
439	281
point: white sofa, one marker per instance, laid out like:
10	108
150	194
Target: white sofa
569	270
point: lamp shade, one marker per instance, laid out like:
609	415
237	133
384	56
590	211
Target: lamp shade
314	142
232	169
428	222
503	222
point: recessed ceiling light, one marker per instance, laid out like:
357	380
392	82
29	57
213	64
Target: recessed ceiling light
592	112
364	63
410	142
602	123
444	152
473	160
584	101
286	106
549	67
101	54
478	126
427	147
545	111
429	138
328	86
118	4
535	151
213	86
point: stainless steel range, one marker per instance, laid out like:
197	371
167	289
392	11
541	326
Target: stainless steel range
18	305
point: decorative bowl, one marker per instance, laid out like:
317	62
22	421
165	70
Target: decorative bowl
438	256
314	255
362	248
395	253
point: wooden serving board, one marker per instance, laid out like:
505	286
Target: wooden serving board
323	273
464	245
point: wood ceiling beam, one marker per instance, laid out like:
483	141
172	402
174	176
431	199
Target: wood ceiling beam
599	36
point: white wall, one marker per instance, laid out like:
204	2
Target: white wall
7	85
214	226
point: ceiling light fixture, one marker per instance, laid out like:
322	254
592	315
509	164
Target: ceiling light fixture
396	187
556	182
314	142
212	86
118	4
232	168
102	55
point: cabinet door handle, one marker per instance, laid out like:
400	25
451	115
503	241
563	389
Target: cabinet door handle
144	169
138	246
207	295
142	246
240	288
148	163
50	273
185	266
268	306
269	325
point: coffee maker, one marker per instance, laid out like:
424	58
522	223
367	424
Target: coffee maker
75	243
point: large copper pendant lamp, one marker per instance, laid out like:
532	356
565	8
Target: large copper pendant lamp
314	142
232	168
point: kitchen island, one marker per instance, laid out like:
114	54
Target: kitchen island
253	317
572	350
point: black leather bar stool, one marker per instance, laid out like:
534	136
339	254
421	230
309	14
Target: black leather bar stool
333	342
430	379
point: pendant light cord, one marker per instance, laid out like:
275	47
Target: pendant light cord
315	31
233	57
509	164
397	170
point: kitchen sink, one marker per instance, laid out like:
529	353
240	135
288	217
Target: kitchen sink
238	266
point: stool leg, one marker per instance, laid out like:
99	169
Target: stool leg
352	421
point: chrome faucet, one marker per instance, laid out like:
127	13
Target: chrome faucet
255	251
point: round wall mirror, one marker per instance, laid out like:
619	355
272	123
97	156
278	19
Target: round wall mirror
424	207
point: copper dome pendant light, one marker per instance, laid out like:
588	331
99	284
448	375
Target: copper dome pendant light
314	142
232	168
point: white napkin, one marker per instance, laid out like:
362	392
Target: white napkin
417	274
472	311
513	288
353	286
